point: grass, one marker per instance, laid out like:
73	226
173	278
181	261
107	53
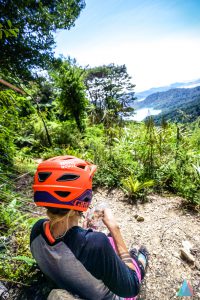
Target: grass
25	164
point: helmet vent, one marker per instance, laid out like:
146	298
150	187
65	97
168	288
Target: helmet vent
62	194
42	176
81	166
68	177
87	199
68	158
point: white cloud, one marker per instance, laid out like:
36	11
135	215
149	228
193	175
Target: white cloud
151	63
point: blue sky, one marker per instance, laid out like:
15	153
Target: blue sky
159	41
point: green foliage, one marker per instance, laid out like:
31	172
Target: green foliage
16	220
23	163
72	100
12	107
10	214
15	258
43	94
29	261
36	22
9	31
48	153
65	134
147	152
111	93
197	169
136	190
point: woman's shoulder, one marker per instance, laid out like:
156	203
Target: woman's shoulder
87	234
96	240
36	229
86	238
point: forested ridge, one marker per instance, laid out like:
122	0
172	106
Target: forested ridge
180	104
53	106
186	84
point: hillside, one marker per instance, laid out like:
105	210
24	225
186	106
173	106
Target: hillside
170	99
188	84
178	104
184	113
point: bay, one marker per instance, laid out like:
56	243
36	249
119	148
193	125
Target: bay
142	113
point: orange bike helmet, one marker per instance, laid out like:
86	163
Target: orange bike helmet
64	182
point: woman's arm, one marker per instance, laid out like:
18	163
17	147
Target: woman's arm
101	260
95	252
114	229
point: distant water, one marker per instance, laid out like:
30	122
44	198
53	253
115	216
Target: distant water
141	114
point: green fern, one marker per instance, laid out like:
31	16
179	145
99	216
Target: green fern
135	189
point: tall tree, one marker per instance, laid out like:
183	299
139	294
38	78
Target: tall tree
37	21
72	100
111	93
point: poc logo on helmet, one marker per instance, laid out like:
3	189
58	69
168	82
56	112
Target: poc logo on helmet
81	204
66	165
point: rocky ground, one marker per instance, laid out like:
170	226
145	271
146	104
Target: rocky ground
162	226
166	225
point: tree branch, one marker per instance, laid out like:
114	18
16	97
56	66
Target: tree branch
11	86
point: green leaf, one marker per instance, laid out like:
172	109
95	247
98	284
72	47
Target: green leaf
7	33
12	31
148	183
9	23
25	259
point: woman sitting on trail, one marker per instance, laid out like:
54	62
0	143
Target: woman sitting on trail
84	262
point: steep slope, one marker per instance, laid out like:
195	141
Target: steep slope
188	84
170	99
188	112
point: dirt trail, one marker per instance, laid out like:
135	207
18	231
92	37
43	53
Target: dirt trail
164	228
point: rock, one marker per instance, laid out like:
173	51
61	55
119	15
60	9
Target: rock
198	295
58	294
135	216
197	265
187	255
186	251
187	245
3	292
140	219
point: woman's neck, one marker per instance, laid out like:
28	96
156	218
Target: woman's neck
59	229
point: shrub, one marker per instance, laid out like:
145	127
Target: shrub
136	190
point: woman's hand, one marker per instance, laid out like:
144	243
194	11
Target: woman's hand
108	219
